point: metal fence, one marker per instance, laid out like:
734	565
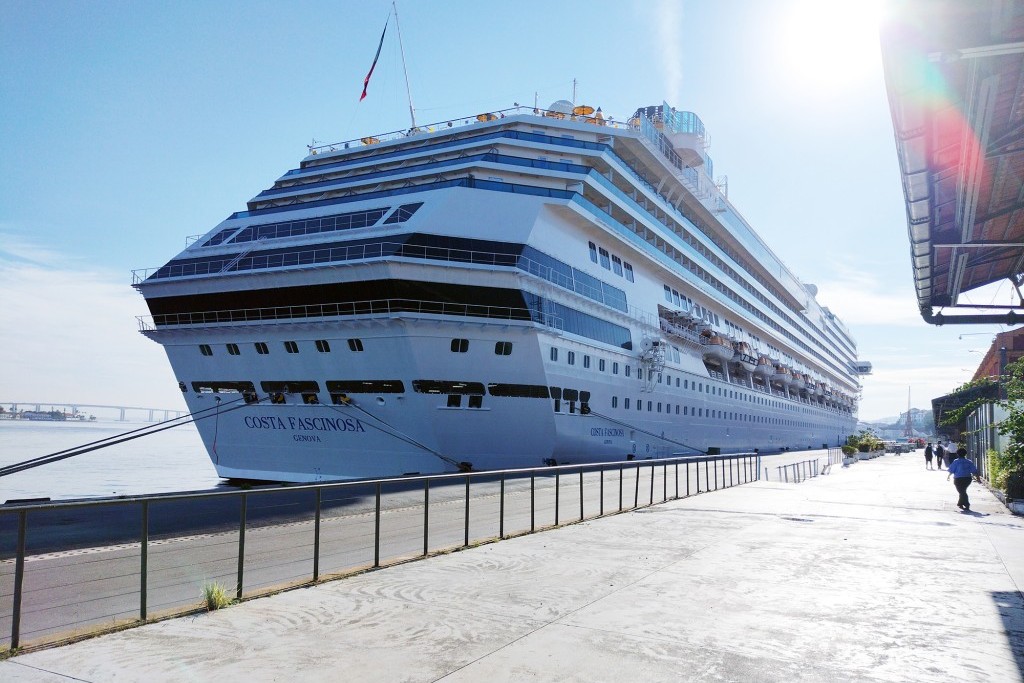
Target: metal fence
76	568
796	467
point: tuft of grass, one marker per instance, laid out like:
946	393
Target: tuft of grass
215	596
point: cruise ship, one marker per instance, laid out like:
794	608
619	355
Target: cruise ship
520	288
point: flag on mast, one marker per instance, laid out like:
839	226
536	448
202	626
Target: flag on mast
366	81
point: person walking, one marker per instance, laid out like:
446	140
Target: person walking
928	456
940	453
962	469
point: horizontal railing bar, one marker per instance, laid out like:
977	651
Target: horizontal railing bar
534	471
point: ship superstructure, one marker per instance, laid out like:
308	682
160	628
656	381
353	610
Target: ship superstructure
519	288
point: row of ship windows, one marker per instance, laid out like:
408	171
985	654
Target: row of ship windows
711	413
341	390
501	348
680	383
611	262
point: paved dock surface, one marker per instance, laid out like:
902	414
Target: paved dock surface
868	574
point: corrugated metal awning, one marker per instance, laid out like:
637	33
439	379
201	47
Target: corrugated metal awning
954	72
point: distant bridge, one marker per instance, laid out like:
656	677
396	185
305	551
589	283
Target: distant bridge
16	406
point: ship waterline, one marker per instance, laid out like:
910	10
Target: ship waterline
527	289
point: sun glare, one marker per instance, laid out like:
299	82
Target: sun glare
830	44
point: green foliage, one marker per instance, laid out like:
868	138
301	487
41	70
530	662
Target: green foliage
848	450
215	596
864	442
1008	467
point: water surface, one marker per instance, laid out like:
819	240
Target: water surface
172	460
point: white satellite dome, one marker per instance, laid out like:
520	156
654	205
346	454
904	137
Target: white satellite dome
561	106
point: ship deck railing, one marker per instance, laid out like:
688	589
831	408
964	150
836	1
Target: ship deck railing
313	256
369	308
516	110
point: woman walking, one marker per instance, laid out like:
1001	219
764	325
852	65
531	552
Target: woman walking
928	456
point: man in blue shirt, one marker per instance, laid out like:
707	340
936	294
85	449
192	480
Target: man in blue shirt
962	469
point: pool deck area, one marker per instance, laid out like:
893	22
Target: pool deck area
870	573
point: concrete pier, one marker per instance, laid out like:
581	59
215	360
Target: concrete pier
870	573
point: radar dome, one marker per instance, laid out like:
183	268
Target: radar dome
812	289
561	106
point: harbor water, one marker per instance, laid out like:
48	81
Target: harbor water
171	460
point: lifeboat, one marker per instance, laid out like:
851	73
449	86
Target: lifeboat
782	375
764	366
742	356
716	347
819	389
798	381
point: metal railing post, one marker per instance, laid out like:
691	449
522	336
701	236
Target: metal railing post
426	514
677	480
533	506
143	560
316	536
501	510
557	492
687	480
241	544
620	488
651	502
581	494
376	528
664	482
707	479
466	528
601	509
636	491
19	580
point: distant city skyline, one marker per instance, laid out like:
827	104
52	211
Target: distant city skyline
128	126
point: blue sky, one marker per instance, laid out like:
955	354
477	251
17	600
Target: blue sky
127	126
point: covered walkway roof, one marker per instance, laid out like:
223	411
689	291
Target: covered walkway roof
954	73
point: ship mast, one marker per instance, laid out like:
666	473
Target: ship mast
401	48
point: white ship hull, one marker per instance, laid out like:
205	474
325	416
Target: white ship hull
482	324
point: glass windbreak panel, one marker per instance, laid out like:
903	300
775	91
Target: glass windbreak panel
518	390
403	213
438	386
576	322
309	226
220	237
366	386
